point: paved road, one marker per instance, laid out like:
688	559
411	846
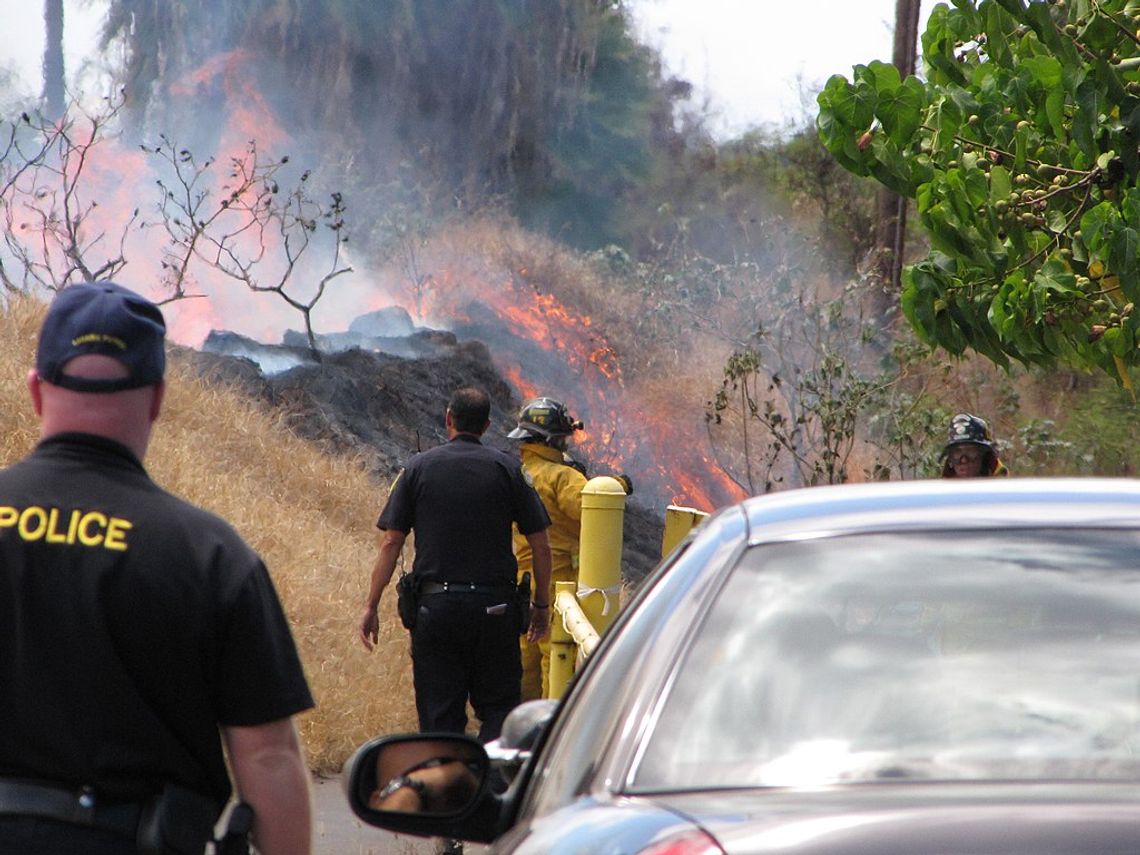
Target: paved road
338	832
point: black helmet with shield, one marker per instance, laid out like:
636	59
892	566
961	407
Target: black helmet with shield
543	419
969	430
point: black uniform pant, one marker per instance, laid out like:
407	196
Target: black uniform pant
465	646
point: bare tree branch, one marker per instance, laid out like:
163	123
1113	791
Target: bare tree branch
249	231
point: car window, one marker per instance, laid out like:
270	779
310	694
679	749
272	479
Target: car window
619	674
929	655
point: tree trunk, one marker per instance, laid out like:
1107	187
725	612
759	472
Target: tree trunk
54	95
890	230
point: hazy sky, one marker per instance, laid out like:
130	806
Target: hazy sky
750	56
22	36
747	56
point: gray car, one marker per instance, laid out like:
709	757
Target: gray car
947	667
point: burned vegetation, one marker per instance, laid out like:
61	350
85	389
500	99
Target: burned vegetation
384	407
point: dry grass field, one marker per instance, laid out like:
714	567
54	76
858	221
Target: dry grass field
311	517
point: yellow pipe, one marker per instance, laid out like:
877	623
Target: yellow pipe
582	614
679	522
599	568
570	631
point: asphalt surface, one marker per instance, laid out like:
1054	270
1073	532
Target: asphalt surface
337	832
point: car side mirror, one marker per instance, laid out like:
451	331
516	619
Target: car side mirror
420	776
522	730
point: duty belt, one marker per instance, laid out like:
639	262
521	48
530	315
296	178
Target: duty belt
464	587
27	798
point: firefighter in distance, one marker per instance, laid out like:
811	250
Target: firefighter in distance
970	450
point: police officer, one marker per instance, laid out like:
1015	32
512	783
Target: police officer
544	429
133	625
970	450
461	499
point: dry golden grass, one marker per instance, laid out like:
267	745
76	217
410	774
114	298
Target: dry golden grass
309	515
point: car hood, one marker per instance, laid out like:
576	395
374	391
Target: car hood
1017	818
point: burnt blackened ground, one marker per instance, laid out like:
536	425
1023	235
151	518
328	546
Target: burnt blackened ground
385	407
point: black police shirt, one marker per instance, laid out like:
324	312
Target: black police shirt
461	498
132	624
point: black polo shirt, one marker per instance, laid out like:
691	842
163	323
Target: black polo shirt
461	499
132	624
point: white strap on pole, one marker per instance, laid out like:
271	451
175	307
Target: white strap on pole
612	591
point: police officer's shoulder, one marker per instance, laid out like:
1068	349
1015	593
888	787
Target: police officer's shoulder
419	458
196	524
508	459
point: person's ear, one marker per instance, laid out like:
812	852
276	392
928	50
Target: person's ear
36	391
156	400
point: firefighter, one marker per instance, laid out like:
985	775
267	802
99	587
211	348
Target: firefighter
544	429
970	450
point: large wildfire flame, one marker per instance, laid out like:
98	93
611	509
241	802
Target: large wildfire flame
543	347
540	345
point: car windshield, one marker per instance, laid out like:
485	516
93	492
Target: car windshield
951	655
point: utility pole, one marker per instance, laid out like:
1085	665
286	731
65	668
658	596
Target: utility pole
890	228
54	93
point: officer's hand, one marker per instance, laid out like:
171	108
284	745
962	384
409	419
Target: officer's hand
539	624
369	628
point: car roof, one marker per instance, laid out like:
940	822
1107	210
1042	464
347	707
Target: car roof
976	503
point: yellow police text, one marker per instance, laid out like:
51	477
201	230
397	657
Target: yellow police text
53	525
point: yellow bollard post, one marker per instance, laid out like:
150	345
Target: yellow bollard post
563	649
599	568
679	522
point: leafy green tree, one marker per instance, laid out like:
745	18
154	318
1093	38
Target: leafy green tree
1020	150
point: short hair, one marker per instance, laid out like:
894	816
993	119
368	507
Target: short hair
470	409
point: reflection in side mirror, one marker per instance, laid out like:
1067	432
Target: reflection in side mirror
430	775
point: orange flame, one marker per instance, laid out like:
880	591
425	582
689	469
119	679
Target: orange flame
249	116
543	347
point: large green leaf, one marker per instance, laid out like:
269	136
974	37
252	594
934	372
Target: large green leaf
996	42
900	110
854	106
1000	187
1045	70
921	288
1123	247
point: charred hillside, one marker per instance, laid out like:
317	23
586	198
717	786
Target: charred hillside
386	407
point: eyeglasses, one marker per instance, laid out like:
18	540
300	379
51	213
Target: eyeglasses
965	457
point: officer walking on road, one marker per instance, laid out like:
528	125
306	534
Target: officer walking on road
133	625
544	429
461	499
